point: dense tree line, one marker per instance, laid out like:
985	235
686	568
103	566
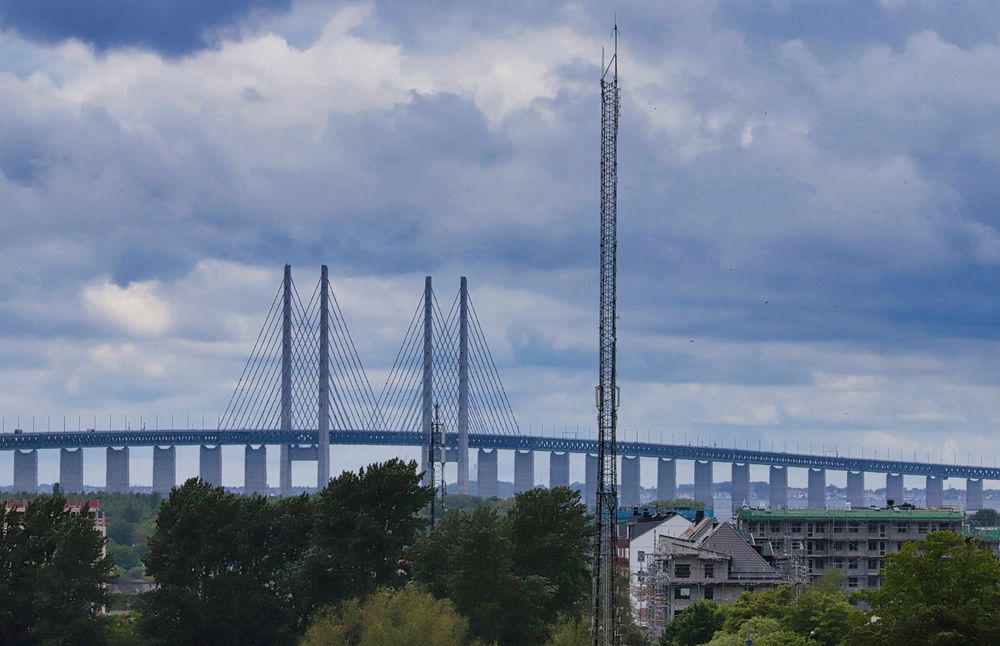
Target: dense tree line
52	575
247	570
512	576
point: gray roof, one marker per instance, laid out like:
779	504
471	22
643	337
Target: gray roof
746	562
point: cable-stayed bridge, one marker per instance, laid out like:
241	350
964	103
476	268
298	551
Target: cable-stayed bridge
304	388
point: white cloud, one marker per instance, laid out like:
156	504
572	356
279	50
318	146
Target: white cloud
135	309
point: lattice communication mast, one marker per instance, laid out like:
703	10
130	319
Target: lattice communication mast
604	622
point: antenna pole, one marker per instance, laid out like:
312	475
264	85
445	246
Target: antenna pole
605	619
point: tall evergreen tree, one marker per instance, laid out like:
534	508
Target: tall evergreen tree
52	575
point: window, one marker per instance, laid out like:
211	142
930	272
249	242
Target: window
760	528
642	556
838	546
852	527
922	528
682	593
709	592
796	528
775	528
852	582
838	528
852	564
902	527
682	570
935	527
709	572
852	546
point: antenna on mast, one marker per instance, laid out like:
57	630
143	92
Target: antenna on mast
605	618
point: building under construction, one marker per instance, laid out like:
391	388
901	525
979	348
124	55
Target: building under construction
689	561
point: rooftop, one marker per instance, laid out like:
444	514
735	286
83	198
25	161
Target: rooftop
851	514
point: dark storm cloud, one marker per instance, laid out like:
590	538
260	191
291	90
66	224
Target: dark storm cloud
172	28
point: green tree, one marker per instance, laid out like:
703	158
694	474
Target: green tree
362	524
694	625
247	570
940	591
765	631
468	558
985	518
210	557
404	617
551	533
830	582
824	617
570	632
52	575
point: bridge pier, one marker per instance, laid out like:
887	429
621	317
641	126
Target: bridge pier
210	465
26	471
255	470
558	470
164	469
935	492
973	494
816	494
590	480
486	474
894	488
666	479
71	470
116	470
856	489
741	485
631	468
524	471
703	483
285	469
778	488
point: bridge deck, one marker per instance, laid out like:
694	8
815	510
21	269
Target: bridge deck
98	439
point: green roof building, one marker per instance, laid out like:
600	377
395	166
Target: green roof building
807	542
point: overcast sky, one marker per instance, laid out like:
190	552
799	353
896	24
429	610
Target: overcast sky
809	243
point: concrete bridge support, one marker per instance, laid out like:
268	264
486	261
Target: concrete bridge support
71	470
164	469
255	470
590	481
210	465
116	470
703	483
486	474
524	471
894	488
778	488
856	489
973	494
935	492
816	494
26	471
629	496
558	470
666	479
741	485
285	469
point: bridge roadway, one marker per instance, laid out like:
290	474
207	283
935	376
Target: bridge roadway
167	438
